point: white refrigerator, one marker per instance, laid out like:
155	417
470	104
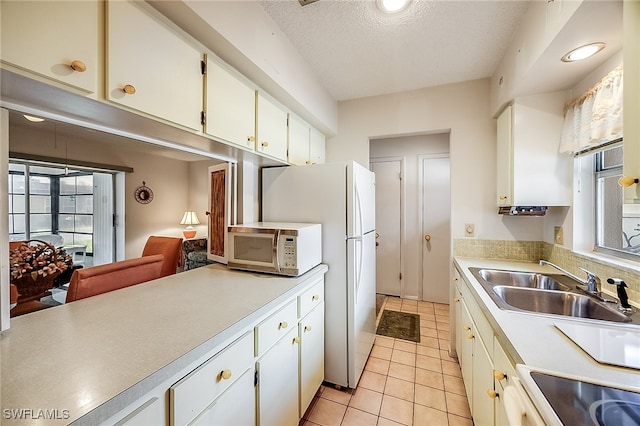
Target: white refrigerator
340	196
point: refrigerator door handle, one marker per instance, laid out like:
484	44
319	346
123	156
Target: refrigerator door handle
359	212
358	241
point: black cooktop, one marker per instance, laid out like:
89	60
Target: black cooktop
582	403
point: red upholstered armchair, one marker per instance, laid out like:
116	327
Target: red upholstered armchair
170	247
87	282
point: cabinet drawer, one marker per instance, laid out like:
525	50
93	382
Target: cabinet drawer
273	328
198	389
503	369
310	298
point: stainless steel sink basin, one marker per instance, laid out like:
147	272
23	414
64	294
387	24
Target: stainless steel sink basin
557	303
521	279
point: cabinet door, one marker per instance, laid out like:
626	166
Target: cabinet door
311	355
230	108
221	214
504	162
631	92
271	129
277	388
298	141
482	405
235	407
46	37
316	147
151	67
466	350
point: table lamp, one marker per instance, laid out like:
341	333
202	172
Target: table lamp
189	219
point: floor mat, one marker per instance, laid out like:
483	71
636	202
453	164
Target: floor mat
399	325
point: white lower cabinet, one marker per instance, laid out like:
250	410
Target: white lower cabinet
199	390
311	331
277	389
235	407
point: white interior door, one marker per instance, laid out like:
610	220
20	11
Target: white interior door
388	225
436	229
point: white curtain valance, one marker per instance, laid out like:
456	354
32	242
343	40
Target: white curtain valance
595	118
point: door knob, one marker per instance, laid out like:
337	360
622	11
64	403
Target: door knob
427	237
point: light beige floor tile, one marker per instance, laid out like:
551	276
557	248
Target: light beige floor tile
403	345
454	385
399	388
429	320
377	365
310	407
442	319
337	395
457	405
429	378
444	344
403	357
373	381
426	350
383	341
409	302
444	334
386	422
410	309
444	354
308	423
381	352
397	409
366	400
429	363
327	413
425	416
451	368
354	417
459	421
431	397
402	371
431	342
428	332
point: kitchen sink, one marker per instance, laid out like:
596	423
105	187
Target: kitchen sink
521	279
557	303
554	294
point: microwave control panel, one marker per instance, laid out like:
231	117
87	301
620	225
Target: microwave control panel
289	249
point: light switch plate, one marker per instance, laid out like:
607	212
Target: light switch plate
469	230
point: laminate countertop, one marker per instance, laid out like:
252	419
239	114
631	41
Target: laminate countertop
86	360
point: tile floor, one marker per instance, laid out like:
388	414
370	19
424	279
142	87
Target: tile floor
404	383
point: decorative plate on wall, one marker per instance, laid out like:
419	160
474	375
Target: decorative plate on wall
143	194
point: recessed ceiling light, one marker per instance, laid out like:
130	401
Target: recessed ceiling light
392	6
33	119
583	52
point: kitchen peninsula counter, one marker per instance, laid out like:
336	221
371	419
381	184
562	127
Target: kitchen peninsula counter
533	339
87	360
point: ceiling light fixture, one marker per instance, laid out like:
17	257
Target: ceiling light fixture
392	6
33	119
583	52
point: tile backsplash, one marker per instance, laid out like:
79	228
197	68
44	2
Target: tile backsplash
532	251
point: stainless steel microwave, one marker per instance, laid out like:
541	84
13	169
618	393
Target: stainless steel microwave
274	247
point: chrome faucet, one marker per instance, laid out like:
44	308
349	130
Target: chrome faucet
567	273
592	282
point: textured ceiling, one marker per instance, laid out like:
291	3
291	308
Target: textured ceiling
357	51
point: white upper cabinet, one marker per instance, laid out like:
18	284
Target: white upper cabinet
271	128
151	66
230	107
631	111
306	144
59	41
530	172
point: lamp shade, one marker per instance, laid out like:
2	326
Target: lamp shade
190	218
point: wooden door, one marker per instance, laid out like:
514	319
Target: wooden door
221	214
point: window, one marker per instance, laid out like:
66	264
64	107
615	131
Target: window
617	224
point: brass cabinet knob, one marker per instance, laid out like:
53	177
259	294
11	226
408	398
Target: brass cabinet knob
78	66
492	394
251	139
466	328
470	336
499	375
283	324
456	300
225	374
129	89
307	328
315	297
307	162
427	237
265	144
296	339
503	197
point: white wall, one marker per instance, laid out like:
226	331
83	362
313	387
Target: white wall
409	148
463	109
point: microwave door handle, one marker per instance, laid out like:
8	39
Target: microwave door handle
276	252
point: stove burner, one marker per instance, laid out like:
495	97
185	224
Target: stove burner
615	412
582	403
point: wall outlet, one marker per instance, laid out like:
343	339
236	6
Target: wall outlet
469	229
558	235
